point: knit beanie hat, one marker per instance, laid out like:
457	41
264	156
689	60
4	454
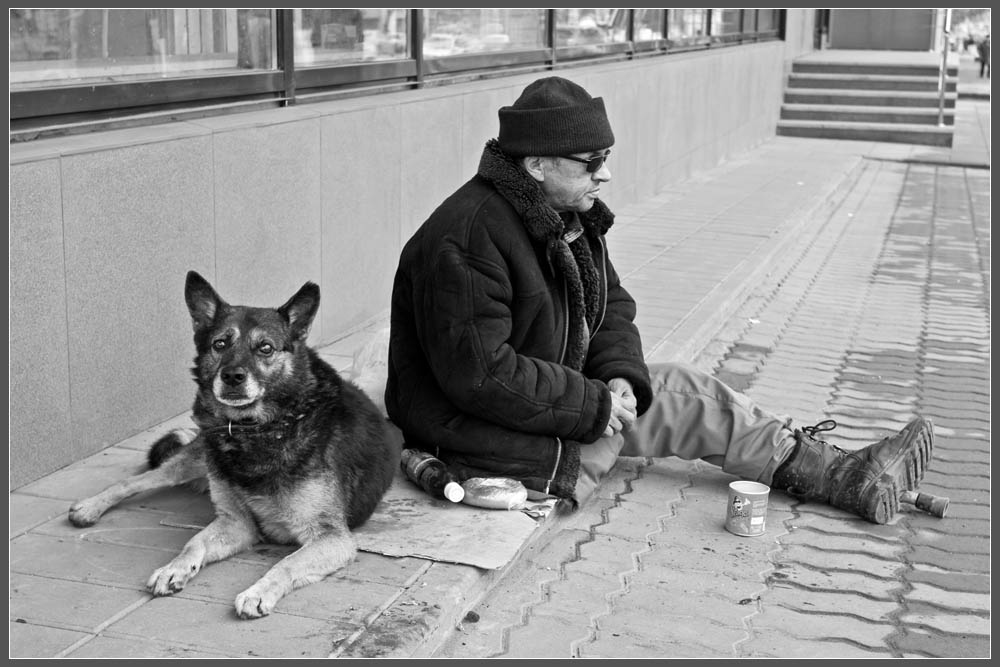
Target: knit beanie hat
554	116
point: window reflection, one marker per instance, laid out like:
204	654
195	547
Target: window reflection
726	21
648	24
590	28
341	35
450	32
767	19
687	26
57	46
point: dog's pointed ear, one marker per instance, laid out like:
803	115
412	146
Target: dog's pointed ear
301	309
203	301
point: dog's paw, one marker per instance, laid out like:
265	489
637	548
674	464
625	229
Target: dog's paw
258	600
84	513
172	577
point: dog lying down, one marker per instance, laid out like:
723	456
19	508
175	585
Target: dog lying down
293	453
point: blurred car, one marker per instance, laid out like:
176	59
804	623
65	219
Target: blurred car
580	36
586	35
496	41
439	44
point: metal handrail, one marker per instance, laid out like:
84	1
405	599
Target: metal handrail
943	79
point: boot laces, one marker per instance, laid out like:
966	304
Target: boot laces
821	427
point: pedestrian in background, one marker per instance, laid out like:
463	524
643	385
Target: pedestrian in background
984	57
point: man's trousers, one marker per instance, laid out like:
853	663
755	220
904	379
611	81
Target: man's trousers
694	416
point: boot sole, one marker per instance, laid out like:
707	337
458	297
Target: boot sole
904	472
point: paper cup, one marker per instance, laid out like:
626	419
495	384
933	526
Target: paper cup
747	508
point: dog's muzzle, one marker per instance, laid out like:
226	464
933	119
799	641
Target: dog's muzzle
236	388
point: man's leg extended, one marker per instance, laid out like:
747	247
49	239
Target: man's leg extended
695	416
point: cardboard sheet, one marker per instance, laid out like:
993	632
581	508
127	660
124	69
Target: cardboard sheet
409	522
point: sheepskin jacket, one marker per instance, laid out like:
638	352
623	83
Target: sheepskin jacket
508	319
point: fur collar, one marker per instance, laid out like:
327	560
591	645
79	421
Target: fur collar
572	259
523	193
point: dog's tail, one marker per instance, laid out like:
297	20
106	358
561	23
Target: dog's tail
168	445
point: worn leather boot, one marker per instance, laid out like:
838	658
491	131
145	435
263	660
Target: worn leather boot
866	482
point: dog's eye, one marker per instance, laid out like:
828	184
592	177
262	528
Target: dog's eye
219	344
266	349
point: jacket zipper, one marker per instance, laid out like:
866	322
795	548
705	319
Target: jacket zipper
555	468
603	310
565	332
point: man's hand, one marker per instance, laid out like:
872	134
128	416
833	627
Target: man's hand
623	406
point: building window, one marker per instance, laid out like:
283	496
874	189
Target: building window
452	32
647	24
340	36
687	26
591	31
76	70
726	23
768	20
53	47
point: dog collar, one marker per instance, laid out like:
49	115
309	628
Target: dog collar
235	428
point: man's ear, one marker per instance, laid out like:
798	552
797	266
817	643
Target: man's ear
534	165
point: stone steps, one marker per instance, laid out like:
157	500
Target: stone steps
878	98
892	102
868	114
866	69
887	82
903	133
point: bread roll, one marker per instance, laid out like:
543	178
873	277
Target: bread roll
494	493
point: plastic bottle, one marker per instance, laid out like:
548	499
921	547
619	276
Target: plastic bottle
431	474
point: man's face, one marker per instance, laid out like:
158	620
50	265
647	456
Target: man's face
568	186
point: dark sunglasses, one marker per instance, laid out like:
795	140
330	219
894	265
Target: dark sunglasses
594	164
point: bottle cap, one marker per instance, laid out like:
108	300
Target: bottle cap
454	492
